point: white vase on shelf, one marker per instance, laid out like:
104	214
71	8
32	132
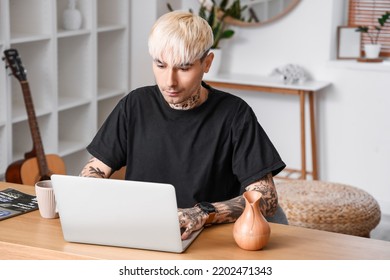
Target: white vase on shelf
72	17
372	50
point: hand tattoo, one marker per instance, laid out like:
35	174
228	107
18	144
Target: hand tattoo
191	219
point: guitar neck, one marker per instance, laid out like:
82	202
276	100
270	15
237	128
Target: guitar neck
38	150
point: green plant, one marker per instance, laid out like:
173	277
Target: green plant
215	14
374	34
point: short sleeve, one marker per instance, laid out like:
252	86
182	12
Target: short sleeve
254	155
110	143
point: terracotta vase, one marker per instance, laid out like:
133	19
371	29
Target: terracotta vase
251	231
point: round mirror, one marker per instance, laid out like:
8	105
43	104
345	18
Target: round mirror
259	12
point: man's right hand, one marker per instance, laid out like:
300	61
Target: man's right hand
191	219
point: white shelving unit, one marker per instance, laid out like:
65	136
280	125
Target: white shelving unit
76	77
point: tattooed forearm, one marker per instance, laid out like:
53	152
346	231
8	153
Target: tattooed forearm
90	171
269	200
230	210
96	171
95	168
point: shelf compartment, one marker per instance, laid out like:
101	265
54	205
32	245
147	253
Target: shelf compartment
74	162
23	139
71	102
3	18
3	90
74	129
112	13
74	70
104	93
108	28
3	151
112	68
105	107
20	114
71	33
36	60
28	38
84	6
30	18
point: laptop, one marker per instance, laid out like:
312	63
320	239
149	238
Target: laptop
119	213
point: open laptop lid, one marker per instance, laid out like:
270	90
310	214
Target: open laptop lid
118	213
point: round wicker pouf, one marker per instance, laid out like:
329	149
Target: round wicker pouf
328	206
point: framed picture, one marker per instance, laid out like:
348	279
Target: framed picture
348	42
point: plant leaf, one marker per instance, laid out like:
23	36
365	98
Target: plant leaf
363	29
223	4
227	34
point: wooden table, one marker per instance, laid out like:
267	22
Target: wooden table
273	85
29	236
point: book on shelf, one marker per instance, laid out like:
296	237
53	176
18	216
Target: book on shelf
14	202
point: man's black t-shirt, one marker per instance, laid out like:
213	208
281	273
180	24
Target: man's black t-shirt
209	153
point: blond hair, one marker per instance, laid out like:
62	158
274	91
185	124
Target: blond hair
179	38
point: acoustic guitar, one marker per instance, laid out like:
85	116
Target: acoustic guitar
35	166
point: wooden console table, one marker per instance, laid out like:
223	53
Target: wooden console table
274	85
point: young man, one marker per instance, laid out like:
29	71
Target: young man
205	142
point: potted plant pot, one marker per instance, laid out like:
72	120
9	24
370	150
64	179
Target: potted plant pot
372	50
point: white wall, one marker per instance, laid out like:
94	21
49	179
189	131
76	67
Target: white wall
143	15
353	119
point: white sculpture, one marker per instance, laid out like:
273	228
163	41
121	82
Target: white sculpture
291	74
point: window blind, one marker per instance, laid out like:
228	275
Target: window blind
367	12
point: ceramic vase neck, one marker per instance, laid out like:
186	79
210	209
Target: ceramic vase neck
71	4
252	198
252	202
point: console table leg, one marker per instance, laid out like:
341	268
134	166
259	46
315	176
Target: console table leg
303	135
313	135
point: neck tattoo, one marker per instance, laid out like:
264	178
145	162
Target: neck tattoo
189	103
